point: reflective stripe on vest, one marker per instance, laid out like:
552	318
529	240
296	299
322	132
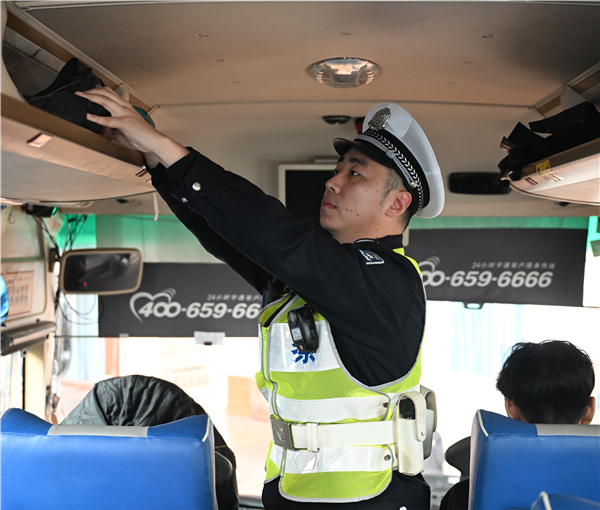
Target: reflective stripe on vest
317	388
334	410
334	460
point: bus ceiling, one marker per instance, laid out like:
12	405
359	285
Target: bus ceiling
235	83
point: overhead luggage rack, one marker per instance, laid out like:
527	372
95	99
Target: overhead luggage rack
47	159
570	176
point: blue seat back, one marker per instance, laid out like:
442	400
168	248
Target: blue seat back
512	462
73	467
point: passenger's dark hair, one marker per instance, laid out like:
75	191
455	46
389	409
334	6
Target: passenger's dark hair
549	382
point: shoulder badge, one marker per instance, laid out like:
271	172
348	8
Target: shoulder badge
380	119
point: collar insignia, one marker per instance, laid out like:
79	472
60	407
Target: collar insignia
371	258
380	119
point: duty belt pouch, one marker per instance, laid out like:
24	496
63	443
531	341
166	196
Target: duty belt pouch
415	430
431	417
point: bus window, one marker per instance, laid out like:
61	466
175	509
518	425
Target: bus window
11	381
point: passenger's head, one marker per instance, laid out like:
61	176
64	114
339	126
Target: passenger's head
549	382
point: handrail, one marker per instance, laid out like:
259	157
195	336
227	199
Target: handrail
26	336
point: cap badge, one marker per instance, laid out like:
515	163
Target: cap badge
380	119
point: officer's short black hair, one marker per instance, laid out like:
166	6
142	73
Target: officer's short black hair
549	382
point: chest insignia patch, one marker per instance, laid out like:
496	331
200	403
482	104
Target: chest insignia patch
302	356
371	258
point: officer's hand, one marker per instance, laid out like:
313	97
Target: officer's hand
127	126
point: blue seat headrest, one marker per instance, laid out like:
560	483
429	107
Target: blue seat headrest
70	467
512	462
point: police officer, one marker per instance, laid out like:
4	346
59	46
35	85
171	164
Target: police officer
344	312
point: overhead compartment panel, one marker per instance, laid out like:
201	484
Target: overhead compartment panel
66	147
571	176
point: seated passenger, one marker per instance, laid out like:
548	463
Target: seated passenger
550	382
146	402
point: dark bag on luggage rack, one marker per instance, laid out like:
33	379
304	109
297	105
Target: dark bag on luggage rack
60	100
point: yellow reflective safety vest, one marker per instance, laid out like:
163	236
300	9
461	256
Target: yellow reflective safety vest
317	388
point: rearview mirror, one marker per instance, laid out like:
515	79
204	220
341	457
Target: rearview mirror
101	271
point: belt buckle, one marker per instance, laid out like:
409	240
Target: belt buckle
282	434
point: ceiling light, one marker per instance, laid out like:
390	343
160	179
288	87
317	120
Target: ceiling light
344	72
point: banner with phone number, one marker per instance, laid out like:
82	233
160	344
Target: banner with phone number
175	300
521	266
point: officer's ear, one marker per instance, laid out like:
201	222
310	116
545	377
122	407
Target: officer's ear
401	202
